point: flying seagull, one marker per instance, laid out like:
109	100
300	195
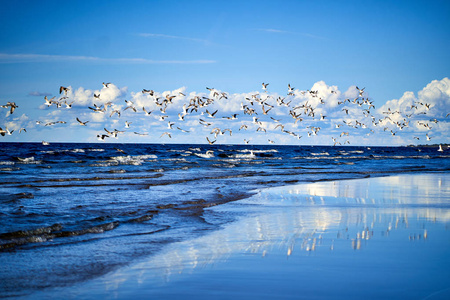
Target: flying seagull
82	123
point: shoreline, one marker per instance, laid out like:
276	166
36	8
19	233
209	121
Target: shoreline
313	216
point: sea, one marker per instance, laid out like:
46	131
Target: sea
70	213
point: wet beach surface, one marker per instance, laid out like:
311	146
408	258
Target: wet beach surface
376	238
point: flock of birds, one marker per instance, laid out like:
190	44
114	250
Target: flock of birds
256	113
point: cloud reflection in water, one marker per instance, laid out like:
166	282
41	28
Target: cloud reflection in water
326	220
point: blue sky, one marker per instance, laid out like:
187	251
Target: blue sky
388	47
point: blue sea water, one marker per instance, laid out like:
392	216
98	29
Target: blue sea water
73	212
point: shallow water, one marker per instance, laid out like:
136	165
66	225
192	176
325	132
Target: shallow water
377	238
70	213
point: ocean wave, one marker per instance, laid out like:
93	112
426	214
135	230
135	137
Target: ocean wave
9	169
43	234
258	151
136	160
322	153
176	160
77	151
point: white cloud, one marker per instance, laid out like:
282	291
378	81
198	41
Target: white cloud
29	57
364	124
158	35
436	95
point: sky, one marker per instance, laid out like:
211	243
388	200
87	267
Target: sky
388	58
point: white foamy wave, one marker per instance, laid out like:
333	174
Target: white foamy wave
104	164
77	151
133	160
245	156
356	151
9	169
6	163
259	151
175	159
96	150
322	153
127	160
47	152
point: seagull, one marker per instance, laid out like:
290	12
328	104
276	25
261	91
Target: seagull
182	130
68	105
141	134
116	111
82	123
22	129
165	133
120	150
290	89
361	91
169	98
106	84
11	105
275	120
261	129
264	86
211	115
62	88
150	92
48	102
131	107
265	111
210	142
243	126
233	117
101	137
5	131
127	124
146	112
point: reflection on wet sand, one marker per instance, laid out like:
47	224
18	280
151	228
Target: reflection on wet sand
308	219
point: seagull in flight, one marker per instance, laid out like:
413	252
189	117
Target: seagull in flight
62	88
11	105
165	133
82	123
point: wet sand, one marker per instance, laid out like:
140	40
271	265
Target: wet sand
375	238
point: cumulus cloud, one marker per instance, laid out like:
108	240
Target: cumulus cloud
322	114
433	100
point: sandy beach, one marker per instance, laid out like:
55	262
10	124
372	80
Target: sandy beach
374	238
